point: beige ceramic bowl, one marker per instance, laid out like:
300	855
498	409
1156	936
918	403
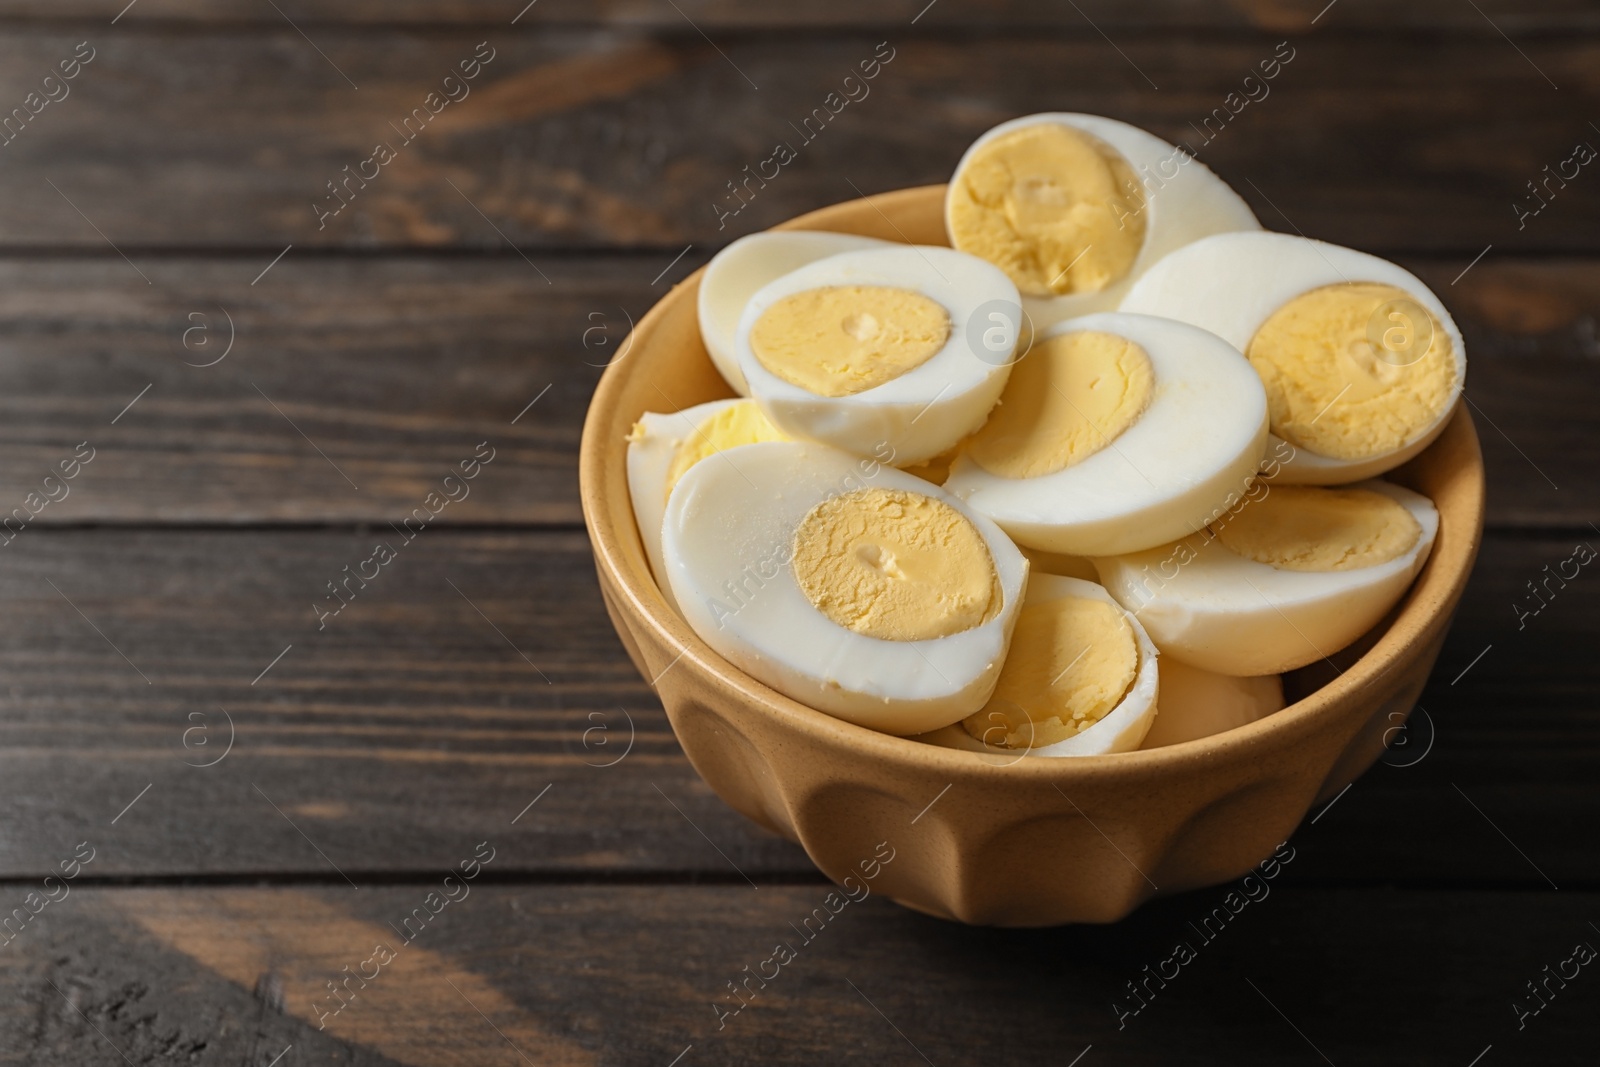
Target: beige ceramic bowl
1038	841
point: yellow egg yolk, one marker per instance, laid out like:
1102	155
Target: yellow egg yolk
1353	370
1072	661
1056	209
845	339
740	423
1068	398
1301	528
895	565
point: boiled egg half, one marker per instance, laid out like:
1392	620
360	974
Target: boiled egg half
1196	703
1115	433
1075	207
844	584
888	347
1288	578
1362	364
1080	680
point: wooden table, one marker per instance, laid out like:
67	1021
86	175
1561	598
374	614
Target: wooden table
251	392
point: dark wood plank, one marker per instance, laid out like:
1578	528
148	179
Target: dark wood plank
732	15
396	369
600	139
628	975
353	386
1530	328
413	719
1458	798
421	707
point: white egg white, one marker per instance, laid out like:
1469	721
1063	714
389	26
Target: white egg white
735	274
1123	727
1184	201
1196	703
651	449
1232	283
1200	438
1225	613
929	408
728	545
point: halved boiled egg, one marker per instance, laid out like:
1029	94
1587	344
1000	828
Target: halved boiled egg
735	274
1115	433
1080	679
1362	364
884	348
662	447
844	584
1291	577
1075	207
1196	703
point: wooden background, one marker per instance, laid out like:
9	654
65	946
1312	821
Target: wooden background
495	264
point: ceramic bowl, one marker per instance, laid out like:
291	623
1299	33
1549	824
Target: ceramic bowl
1024	842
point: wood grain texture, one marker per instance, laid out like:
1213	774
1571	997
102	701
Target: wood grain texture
629	975
580	138
413	720
822	15
475	672
396	368
474	691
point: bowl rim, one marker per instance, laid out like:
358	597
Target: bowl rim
602	462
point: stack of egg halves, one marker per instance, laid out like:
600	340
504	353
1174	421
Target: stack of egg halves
1090	479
